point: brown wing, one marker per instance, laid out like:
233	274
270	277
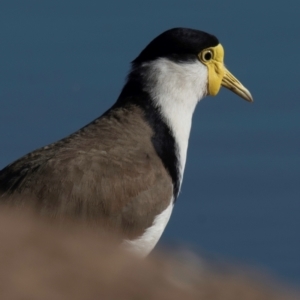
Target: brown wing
107	172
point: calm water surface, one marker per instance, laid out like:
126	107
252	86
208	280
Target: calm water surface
63	63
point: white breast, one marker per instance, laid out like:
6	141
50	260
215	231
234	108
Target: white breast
175	89
145	243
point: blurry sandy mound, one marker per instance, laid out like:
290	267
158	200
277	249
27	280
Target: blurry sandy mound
41	260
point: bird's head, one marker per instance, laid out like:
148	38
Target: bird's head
188	47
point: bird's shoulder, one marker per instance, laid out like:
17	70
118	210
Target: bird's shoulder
108	168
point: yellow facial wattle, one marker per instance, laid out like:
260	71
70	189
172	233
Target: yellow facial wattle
218	75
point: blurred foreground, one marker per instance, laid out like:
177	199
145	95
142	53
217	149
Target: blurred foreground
43	260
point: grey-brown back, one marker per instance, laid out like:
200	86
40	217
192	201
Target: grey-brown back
108	173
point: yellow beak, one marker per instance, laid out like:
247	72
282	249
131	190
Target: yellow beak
218	75
231	83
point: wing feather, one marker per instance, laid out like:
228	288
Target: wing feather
116	180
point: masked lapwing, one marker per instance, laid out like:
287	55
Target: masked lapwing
124	170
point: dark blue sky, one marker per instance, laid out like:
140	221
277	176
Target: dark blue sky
63	63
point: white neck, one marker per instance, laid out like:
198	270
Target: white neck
176	89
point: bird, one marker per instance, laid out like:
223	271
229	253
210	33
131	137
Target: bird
124	170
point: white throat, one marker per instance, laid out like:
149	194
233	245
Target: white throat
176	89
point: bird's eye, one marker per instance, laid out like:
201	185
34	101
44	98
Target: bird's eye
207	55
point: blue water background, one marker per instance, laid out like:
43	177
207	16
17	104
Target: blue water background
62	63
